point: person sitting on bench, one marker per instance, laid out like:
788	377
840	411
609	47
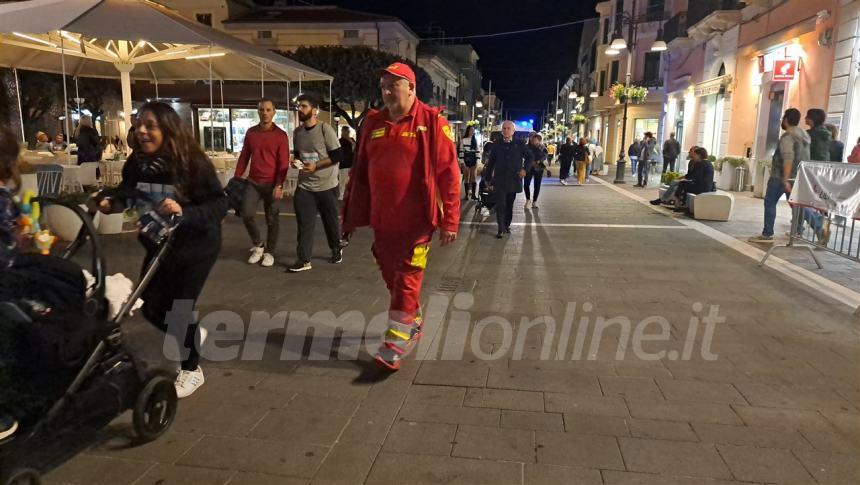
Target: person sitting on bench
699	179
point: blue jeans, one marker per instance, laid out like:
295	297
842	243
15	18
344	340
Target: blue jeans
815	219
775	190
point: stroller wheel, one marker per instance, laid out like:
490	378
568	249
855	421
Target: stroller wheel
155	409
24	476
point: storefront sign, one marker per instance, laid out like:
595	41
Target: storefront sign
784	69
716	85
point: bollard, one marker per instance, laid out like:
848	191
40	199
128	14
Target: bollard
740	176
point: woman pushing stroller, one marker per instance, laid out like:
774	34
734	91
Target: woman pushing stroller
169	166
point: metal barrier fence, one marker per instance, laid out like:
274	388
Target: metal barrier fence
816	229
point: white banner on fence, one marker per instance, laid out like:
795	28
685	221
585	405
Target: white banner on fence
830	186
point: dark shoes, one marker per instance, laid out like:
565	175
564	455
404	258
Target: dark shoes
336	256
499	235
656	202
300	266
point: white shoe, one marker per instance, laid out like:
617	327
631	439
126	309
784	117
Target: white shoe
528	204
534	205
563	181
268	260
188	381
256	255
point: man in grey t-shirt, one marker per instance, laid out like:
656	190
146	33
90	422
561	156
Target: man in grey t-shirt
317	153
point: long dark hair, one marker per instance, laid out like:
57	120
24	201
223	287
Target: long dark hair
190	162
470	131
10	150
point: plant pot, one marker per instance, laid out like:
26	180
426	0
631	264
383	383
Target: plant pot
724	177
110	223
622	99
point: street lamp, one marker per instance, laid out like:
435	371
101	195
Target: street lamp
618	44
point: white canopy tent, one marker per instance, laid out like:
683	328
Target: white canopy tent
135	39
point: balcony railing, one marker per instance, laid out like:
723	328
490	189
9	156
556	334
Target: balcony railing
675	27
650	83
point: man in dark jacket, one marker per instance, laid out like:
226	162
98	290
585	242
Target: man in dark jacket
565	157
819	148
509	162
671	150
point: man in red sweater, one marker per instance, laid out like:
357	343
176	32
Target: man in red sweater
405	184
267	149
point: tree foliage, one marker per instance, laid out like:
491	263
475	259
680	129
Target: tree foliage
39	93
95	93
355	89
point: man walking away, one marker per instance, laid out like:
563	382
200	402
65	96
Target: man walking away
565	158
405	185
820	138
793	147
580	156
317	148
267	150
539	155
649	143
347	145
509	163
671	150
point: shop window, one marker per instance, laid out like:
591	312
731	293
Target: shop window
350	34
264	34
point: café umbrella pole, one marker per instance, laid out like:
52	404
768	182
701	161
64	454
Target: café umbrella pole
20	110
211	105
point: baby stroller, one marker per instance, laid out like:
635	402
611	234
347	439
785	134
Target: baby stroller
486	197
92	378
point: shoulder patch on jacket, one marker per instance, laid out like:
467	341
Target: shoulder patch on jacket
447	131
377	133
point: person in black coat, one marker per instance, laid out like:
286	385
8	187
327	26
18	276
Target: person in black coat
565	157
171	168
698	180
539	154
509	163
88	141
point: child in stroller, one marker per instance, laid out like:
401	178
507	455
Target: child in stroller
62	363
486	197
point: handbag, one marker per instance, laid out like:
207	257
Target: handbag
235	191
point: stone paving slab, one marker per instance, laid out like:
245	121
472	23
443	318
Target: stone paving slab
780	404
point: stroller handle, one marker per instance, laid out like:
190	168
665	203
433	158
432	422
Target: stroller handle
87	232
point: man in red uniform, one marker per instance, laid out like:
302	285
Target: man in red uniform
405	184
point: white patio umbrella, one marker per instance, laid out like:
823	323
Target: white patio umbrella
135	39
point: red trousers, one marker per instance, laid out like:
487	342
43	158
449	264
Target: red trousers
402	260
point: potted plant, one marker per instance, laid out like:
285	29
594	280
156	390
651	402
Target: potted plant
618	92
668	177
724	171
762	174
637	94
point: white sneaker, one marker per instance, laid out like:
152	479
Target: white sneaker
534	205
563	181
528	204
256	255
188	381
268	260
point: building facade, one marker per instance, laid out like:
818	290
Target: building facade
445	79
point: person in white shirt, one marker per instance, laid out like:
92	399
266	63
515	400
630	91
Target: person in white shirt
596	157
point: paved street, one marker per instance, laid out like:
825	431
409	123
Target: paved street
778	404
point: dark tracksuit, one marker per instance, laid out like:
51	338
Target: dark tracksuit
536	173
565	157
503	173
194	249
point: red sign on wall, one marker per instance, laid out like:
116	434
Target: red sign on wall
784	69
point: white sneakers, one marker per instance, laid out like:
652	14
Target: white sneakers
534	205
258	254
563	181
268	260
188	381
528	204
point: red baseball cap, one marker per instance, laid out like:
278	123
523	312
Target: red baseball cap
400	70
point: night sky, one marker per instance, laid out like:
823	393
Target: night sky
523	67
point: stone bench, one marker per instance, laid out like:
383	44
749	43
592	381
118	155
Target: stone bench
711	206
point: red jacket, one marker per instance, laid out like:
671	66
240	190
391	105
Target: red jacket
441	172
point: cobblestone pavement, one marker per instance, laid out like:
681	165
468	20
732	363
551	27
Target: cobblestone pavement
779	404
